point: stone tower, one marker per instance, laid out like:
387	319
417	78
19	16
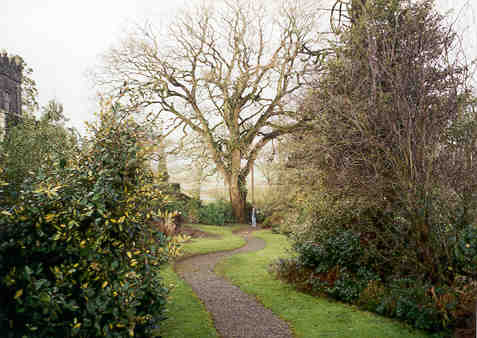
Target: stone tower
10	90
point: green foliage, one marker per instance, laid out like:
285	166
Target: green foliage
349	266
392	224
35	145
340	249
77	257
340	253
411	301
337	261
411	193
189	209
309	316
348	285
216	213
29	89
465	250
274	221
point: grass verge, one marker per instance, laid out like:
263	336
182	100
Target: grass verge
226	241
309	316
187	316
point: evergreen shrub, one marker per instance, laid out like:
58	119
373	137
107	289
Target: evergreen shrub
219	212
77	257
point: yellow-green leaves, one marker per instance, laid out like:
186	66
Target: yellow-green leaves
49	190
82	230
18	294
174	245
76	324
50	217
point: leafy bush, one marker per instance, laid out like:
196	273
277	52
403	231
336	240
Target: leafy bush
77	257
349	286
341	249
411	301
31	144
260	216
465	250
341	265
362	256
189	209
336	262
216	213
274	221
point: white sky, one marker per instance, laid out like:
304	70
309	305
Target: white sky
62	39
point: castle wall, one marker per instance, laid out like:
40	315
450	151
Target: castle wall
10	90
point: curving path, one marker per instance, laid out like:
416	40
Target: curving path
235	314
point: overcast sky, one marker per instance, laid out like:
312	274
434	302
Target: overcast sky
62	39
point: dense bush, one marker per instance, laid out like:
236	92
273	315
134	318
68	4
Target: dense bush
195	211
189	209
337	262
260	215
411	301
342	249
354	267
34	143
219	212
274	221
77	257
363	256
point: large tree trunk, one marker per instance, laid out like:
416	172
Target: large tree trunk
237	199
237	191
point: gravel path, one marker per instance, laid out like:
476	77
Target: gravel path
235	314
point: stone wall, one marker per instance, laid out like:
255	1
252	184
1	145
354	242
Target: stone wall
10	90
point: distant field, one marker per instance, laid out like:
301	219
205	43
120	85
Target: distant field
213	193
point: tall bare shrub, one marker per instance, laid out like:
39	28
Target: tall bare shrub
394	132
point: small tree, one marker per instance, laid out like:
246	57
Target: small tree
36	144
29	90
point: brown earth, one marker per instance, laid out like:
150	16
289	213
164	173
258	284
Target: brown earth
196	233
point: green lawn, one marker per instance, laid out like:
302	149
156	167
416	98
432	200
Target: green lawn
227	240
187	316
309	316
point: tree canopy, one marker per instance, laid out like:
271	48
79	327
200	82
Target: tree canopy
226	72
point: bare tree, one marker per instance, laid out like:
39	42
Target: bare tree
226	71
196	165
